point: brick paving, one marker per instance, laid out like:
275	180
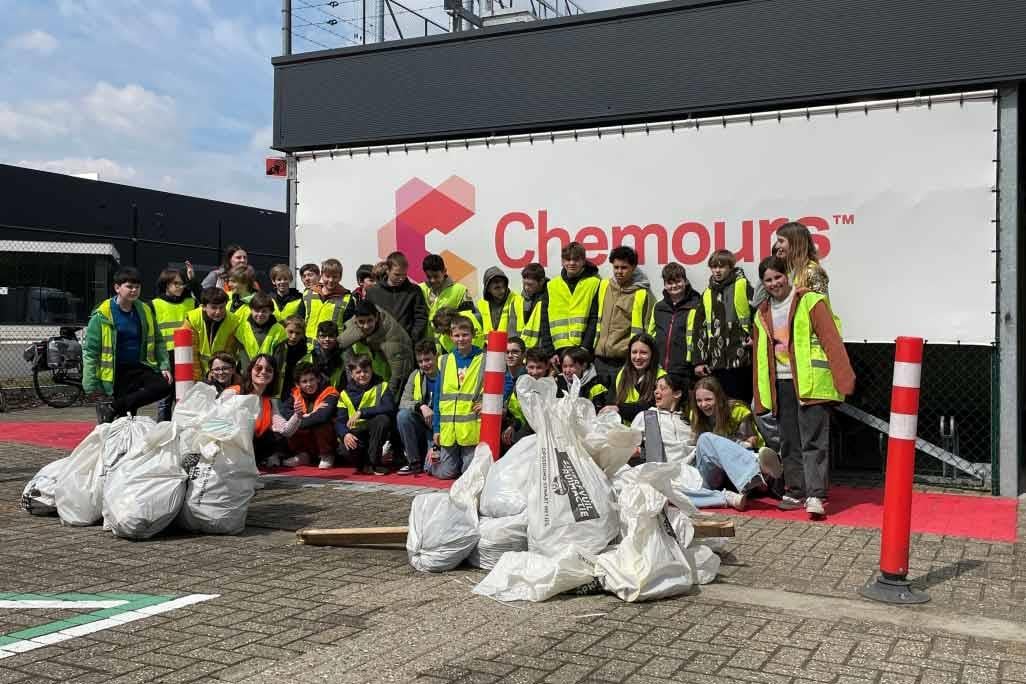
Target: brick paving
288	612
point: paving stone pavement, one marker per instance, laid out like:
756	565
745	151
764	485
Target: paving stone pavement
292	613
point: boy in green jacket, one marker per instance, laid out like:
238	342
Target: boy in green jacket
124	358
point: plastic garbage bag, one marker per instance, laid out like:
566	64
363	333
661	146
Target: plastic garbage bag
569	500
466	490
610	443
648	563
527	576
38	497
505	490
144	490
704	563
680	525
442	532
673	480
498	536
216	443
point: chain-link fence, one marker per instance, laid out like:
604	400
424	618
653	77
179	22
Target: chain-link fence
955	411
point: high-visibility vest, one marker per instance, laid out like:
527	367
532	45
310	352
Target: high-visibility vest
317	311
452	296
530	329
515	409
811	368
419	381
741	307
568	311
689	335
263	421
149	338
508	320
371	398
378	362
444	343
274	338
299	402
290	309
239	306
170	318
632	393
458	422
642	310
203	348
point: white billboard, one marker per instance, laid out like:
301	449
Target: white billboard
899	199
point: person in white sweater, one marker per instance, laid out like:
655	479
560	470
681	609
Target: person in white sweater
706	463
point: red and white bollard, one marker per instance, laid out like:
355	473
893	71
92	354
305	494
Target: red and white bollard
494	384
892	585
183	362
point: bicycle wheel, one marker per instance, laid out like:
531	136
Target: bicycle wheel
53	389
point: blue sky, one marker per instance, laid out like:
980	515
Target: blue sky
168	94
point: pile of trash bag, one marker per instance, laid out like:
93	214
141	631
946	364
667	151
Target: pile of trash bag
139	477
562	509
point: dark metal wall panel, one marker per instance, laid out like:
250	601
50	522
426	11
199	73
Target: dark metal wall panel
643	63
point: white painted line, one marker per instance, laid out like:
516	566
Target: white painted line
495	361
61	605
903	426
6	654
907	374
47	639
89	628
22	646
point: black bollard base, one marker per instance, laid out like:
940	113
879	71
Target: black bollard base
895	591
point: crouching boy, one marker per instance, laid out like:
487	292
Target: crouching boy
364	418
415	415
310	417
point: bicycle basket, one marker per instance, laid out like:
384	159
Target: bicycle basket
63	353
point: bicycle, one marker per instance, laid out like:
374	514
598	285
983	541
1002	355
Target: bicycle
57	368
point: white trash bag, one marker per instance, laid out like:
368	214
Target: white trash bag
216	444
442	532
505	490
527	576
467	488
498	536
704	563
39	495
610	443
570	502
144	490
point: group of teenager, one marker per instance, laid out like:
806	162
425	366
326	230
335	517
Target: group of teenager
392	372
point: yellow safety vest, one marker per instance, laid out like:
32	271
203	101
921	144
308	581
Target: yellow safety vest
371	398
378	362
515	409
290	309
741	308
458	422
204	347
632	393
642	310
530	330
452	296
811	370
271	343
242	312
170	318
418	386
318	311
444	343
149	338
568	311
508	320
689	335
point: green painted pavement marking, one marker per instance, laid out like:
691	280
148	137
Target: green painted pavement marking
133	602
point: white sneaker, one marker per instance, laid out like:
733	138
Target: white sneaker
769	463
273	461
297	460
814	507
736	501
789	503
326	462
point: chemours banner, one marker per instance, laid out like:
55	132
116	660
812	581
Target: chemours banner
898	196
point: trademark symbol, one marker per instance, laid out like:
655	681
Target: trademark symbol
844	219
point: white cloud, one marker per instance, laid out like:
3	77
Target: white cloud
130	108
33	41
107	169
30	121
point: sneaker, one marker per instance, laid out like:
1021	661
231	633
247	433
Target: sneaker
769	463
327	461
814	507
789	503
756	484
736	501
104	411
366	470
380	470
409	470
297	460
273	461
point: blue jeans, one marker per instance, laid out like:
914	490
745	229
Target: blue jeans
717	458
452	461
415	436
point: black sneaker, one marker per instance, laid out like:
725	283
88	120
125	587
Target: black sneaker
104	411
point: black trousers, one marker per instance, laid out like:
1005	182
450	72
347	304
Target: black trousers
736	382
136	386
804	444
372	437
268	444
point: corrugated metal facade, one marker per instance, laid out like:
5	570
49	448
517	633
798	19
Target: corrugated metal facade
651	62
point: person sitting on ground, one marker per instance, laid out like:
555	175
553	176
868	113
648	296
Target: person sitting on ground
415	417
261	333
223	372
515	349
711	410
577	363
260	378
457	403
633	390
310	417
715	459
213	330
327	355
364	421
123	354
295	351
375	333
288	301
516	426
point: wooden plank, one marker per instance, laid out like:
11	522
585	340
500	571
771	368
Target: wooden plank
352	536
713	528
